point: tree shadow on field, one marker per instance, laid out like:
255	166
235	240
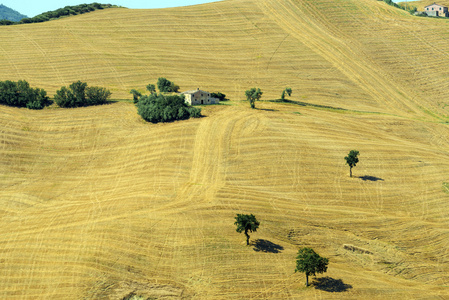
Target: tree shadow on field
331	285
267	109
370	178
266	246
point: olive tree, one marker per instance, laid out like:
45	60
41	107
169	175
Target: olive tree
352	160
253	95
246	223
310	263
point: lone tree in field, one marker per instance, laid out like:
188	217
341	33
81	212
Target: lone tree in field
151	88
287	91
352	160
253	95
246	223
136	95
310	263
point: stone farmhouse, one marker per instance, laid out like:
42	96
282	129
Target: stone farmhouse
436	10
198	96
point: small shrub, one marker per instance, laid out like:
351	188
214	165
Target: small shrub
97	95
218	95
195	112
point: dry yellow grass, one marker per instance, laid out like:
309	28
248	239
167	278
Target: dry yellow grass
96	204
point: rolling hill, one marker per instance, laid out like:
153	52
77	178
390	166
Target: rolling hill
7	13
98	204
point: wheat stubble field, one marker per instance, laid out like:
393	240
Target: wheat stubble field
96	203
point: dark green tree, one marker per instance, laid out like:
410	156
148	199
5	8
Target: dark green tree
352	160
151	88
79	92
287	91
136	95
97	95
246	223
253	95
166	86
310	263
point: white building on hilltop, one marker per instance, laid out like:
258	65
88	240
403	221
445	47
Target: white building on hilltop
198	96
436	10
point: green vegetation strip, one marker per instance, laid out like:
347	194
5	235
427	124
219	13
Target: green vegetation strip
60	13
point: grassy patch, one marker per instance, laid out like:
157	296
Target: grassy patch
445	187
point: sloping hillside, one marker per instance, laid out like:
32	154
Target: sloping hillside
362	55
97	204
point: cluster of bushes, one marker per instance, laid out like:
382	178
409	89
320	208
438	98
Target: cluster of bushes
79	94
62	12
161	107
20	94
157	108
218	95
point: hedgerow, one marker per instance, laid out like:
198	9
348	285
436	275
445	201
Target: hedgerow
79	94
20	94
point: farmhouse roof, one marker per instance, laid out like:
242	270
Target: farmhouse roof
194	91
434	3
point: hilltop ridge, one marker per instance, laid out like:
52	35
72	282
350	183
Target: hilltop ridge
10	14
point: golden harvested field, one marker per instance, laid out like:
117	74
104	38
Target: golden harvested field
97	204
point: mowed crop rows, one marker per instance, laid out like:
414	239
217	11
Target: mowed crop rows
96	203
355	54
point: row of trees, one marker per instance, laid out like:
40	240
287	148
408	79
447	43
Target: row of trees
254	94
163	84
20	94
78	94
307	261
59	13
